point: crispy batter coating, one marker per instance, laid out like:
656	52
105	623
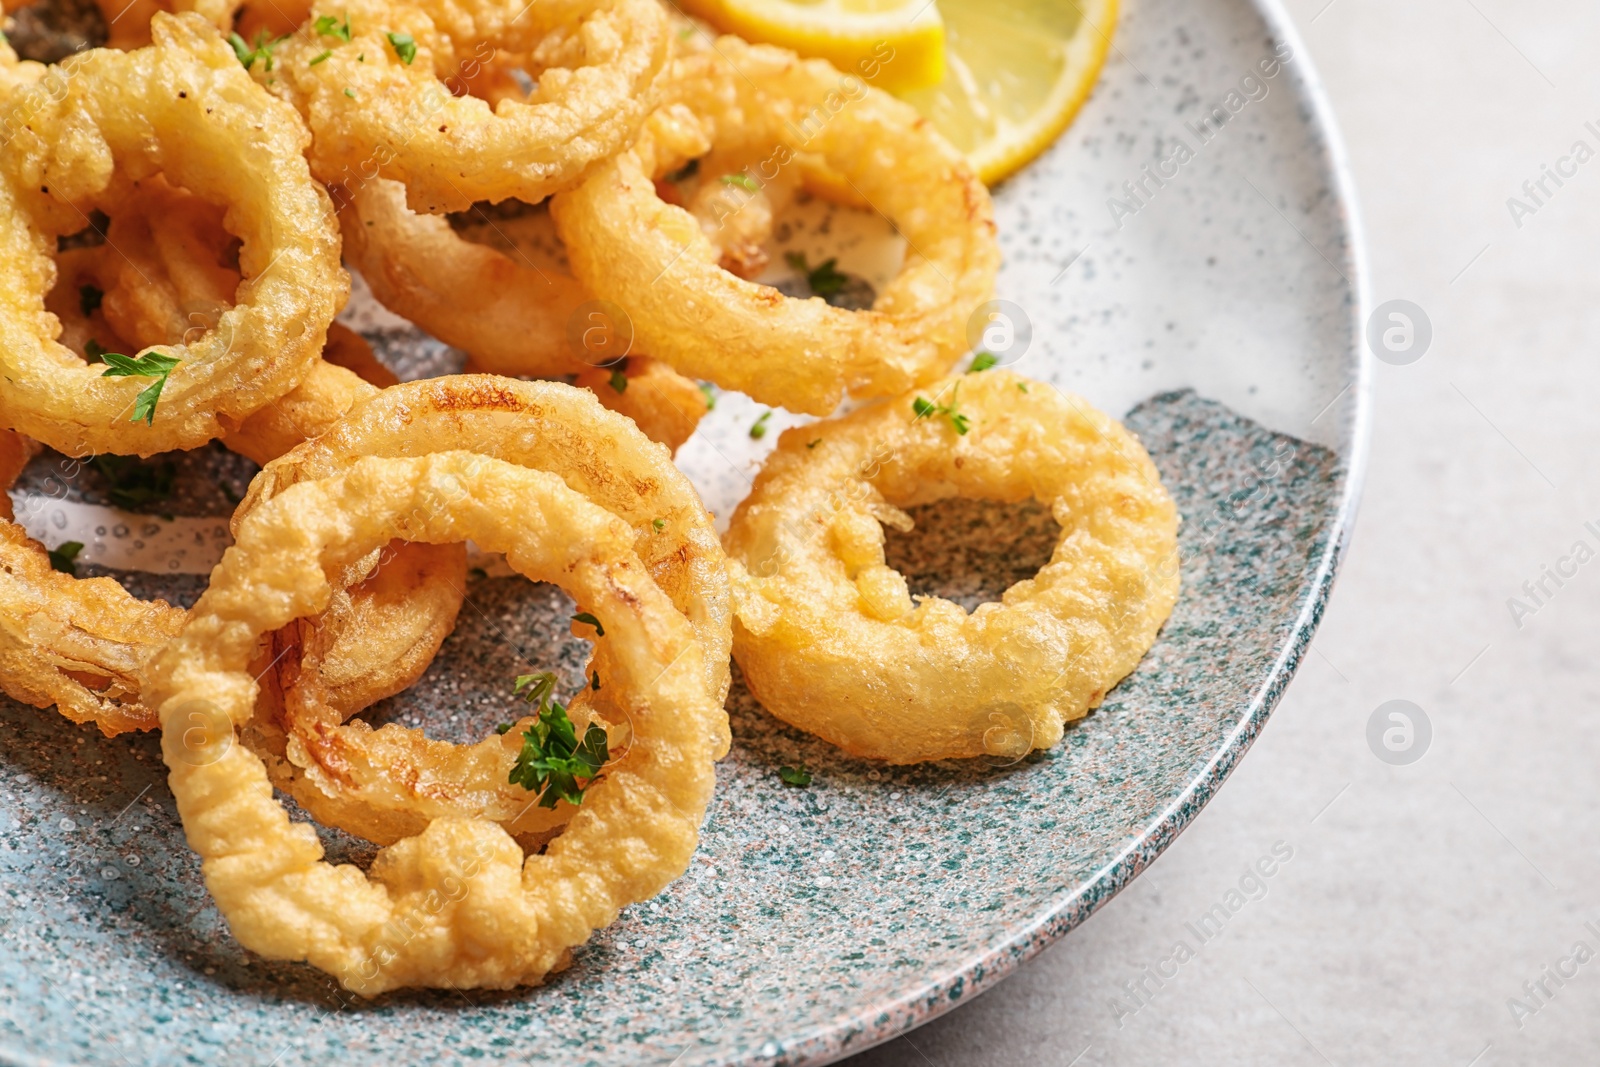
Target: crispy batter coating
387	783
184	107
776	111
458	904
374	113
830	640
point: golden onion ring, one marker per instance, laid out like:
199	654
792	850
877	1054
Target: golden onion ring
775	111
75	643
185	107
387	783
457	905
827	635
375	112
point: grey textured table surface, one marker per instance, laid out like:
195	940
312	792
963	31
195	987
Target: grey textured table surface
1434	912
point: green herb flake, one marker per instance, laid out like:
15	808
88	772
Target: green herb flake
89	299
924	408
1023	386
685	172
982	362
64	556
659	524
262	50
151	364
824	280
759	430
585	617
504	728
814	444
323	58
351	93
329	26
94	351
710	394
743	181
553	761
618	381
796	776
405	46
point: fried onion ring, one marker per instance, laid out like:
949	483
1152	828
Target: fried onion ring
386	783
457	905
165	270
76	643
512	316
827	635
775	110
183	106
373	110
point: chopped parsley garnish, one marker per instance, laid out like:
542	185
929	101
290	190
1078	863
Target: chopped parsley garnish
825	280
351	93
711	395
328	26
983	361
1023	386
405	46
814	444
924	408
133	484
685	33
262	50
618	381
151	364
796	776
63	557
323	58
759	430
585	617
743	181
94	351
504	728
553	761
659	524
89	299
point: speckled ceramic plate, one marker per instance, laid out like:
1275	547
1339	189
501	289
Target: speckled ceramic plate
1188	257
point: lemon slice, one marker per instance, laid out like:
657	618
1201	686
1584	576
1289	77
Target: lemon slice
1017	71
897	45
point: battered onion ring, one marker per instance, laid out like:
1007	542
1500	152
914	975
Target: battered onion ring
74	643
827	636
373	113
629	247
457	905
386	783
78	644
513	317
186	107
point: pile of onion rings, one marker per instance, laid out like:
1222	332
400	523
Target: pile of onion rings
177	212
